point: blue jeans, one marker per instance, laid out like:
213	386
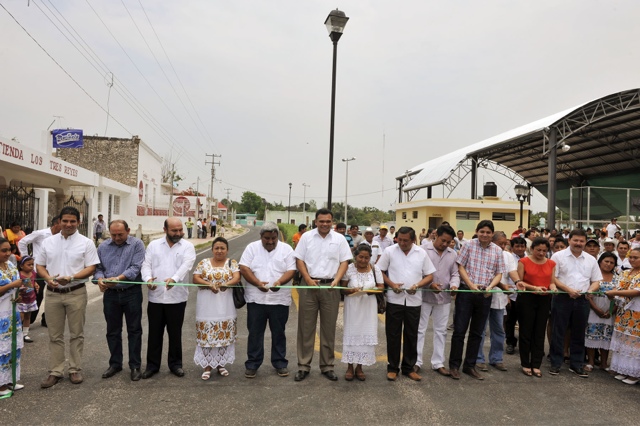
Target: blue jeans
495	321
257	317
115	305
571	314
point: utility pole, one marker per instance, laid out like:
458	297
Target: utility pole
213	175
304	203
228	190
171	195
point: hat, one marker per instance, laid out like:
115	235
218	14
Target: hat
609	240
369	229
384	227
592	240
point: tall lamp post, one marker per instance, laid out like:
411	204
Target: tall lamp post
522	192
346	186
289	208
304	202
335	22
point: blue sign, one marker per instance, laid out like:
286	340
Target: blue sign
67	138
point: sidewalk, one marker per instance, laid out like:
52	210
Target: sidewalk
230	233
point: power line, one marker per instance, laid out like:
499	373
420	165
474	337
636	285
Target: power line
64	70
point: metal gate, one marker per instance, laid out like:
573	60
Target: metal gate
19	204
83	207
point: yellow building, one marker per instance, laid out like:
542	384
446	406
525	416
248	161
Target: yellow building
461	214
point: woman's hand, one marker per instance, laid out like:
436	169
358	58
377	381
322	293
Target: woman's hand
213	287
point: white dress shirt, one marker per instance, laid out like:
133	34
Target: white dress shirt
499	300
35	239
323	256
268	266
162	262
67	256
406	269
576	272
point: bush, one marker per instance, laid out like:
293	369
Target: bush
287	232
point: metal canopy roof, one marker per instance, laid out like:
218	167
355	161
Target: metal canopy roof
603	136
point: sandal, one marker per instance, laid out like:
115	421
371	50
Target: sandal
537	372
588	368
206	375
223	371
527	371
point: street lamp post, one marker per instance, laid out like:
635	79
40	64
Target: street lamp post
304	202
335	22
346	186
289	208
522	192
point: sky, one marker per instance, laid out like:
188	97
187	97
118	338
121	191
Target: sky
251	81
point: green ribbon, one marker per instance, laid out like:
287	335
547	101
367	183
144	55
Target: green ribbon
14	350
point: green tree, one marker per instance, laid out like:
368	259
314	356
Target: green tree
251	202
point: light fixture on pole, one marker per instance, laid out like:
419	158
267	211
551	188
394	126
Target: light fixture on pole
304	202
289	208
522	192
335	22
346	186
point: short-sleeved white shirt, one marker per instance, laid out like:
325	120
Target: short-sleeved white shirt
67	256
576	272
322	256
268	266
162	262
408	269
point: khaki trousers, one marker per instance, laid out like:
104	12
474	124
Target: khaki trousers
326	302
70	307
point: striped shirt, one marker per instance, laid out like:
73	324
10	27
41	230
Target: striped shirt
125	259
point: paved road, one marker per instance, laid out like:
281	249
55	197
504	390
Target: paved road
503	398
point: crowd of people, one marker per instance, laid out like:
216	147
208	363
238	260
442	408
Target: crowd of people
578	289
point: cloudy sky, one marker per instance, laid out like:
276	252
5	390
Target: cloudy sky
251	80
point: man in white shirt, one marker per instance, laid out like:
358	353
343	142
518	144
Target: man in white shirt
460	240
437	304
376	251
408	268
265	265
322	258
576	273
167	260
612	228
35	239
382	239
65	262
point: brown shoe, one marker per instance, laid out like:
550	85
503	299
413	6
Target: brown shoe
473	373
482	366
414	376
443	371
392	376
499	366
50	381
455	374
75	378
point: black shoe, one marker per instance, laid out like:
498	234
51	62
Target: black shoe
282	372
111	371
330	375
250	374
136	375
510	349
178	372
149	373
43	322
579	372
301	375
554	371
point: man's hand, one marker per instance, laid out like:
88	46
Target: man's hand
168	282
52	281
396	287
152	286
334	283
263	287
63	280
437	288
574	294
473	287
312	283
275	287
413	289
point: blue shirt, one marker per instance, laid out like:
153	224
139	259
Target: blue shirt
125	259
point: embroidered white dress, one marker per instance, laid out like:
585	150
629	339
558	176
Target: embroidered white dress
6	308
216	317
360	318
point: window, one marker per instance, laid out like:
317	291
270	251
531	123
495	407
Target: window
511	217
464	215
99	201
116	204
415	214
404	215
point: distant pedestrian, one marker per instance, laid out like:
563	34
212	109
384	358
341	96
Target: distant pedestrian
189	225
98	228
213	225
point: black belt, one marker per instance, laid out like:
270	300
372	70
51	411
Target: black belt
65	289
323	280
121	289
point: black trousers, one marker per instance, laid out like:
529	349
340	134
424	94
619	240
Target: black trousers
510	323
471	313
533	313
117	304
257	317
402	338
160	316
572	314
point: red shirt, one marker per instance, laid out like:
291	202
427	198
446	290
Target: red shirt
538	275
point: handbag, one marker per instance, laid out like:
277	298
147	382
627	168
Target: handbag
382	302
238	293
